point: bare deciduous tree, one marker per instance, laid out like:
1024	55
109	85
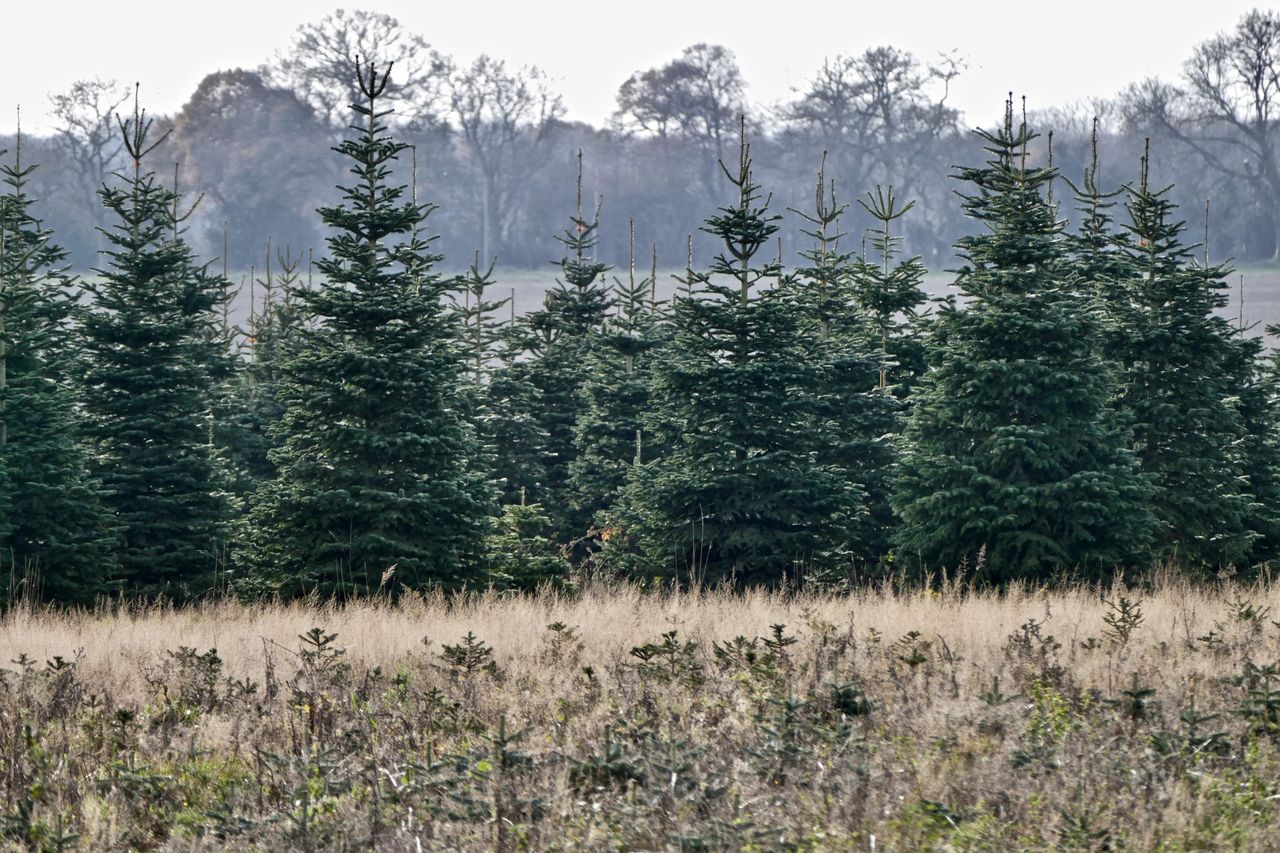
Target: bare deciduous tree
698	96
258	151
1226	109
876	113
505	119
317	66
87	132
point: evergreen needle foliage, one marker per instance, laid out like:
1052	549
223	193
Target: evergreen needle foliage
1182	369
1012	452
609	436
510	424
848	333
479	331
520	556
55	537
564	333
249	407
740	492
892	295
154	359
377	481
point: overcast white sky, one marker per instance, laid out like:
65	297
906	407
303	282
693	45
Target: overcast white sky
1054	52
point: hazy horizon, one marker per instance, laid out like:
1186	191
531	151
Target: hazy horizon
1055	62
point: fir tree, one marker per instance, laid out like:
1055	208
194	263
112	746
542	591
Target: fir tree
503	402
609	435
739	492
1257	402
1012	456
1102	270
249	406
856	414
1178	384
479	333
510	427
892	295
155	357
563	333
55	536
376	484
520	556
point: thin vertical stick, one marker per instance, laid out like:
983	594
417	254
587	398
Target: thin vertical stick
653	278
253	303
414	152
1051	176
689	270
176	197
1240	319
267	290
1206	234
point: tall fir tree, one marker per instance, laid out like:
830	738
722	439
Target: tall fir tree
1013	459
377	485
740	492
563	333
856	414
1177	384
155	358
56	539
609	436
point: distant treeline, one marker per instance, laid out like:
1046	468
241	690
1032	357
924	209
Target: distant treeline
495	152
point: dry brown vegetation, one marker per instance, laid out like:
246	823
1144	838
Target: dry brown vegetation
620	719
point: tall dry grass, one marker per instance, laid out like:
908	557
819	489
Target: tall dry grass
887	719
111	642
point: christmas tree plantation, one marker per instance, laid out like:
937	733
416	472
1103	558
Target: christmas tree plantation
1079	409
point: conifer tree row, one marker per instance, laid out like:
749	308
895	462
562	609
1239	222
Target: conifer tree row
1081	408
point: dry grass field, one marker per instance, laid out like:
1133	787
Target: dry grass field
618	719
